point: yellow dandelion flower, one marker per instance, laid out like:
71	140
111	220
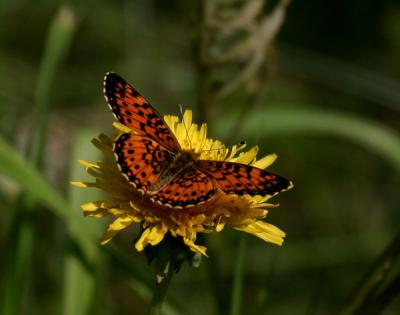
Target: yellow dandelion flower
128	202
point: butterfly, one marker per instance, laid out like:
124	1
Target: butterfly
155	164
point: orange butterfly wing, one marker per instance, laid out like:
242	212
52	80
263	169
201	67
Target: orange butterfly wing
241	179
140	159
133	110
190	187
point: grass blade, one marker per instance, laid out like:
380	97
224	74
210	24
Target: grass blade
14	166
79	282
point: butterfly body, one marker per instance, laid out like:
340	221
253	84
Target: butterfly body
179	163
154	163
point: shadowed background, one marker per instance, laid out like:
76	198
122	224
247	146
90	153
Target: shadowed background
329	107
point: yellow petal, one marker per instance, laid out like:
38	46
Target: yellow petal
91	206
122	128
265	161
79	184
187	118
103	142
259	199
182	130
220	226
88	164
171	121
201	138
119	224
266	231
235	149
152	235
247	157
94	209
195	248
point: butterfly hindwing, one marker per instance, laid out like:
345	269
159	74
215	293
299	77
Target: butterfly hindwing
241	179
134	111
190	187
140	159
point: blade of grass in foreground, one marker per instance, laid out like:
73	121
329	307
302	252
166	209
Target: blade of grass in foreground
29	179
80	283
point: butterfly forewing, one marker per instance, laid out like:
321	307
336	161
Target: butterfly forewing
141	159
135	112
241	179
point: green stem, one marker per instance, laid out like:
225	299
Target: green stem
236	298
160	293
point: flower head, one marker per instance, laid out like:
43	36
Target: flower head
128	206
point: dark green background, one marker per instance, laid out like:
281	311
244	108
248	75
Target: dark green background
337	59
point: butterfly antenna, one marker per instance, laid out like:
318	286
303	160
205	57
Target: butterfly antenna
184	125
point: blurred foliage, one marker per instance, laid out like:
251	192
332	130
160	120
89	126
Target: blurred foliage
330	109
